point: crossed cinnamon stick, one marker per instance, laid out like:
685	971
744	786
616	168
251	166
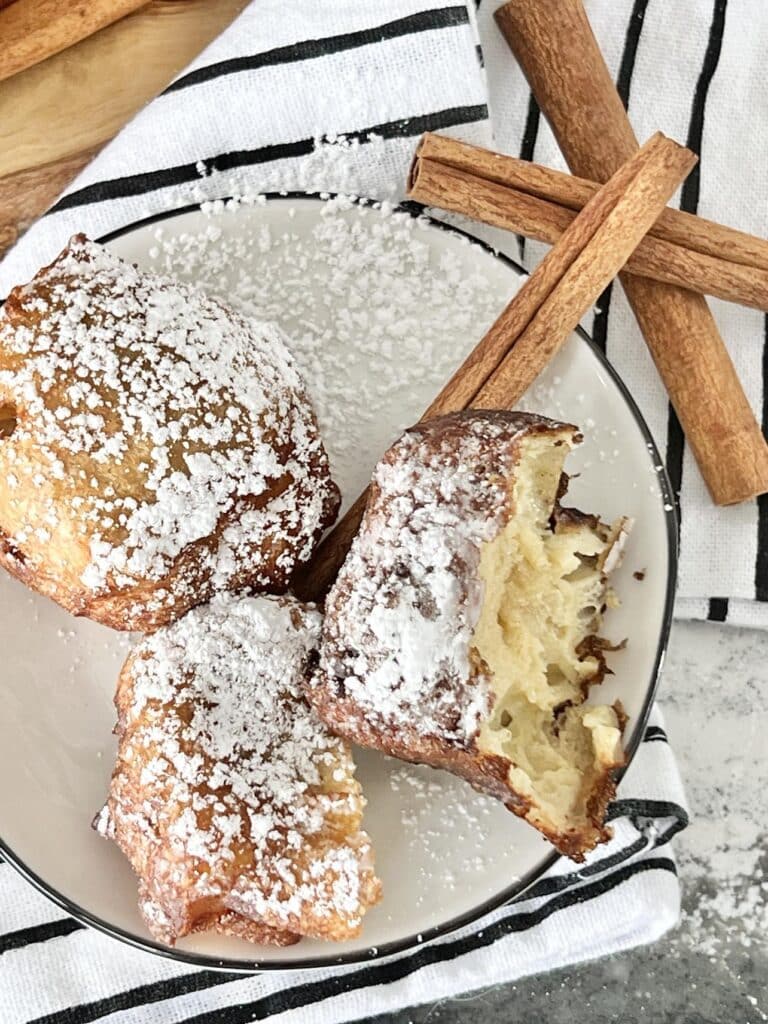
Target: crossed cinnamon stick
539	319
596	232
540	202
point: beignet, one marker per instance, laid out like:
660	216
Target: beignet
237	808
155	447
461	630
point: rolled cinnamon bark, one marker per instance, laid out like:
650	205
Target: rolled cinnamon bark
538	320
568	190
540	203
554	44
31	30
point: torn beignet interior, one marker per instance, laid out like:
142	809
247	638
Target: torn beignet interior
462	630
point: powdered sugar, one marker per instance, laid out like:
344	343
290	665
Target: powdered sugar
362	293
238	661
453	843
401	616
365	297
167	413
235	774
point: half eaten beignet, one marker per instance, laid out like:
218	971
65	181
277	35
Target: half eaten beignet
462	629
237	808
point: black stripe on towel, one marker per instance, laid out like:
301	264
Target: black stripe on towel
623	86
718	609
144	995
655	733
640	812
761	563
149	181
646	808
310	49
371	975
528	147
381	974
531	130
38	933
689	201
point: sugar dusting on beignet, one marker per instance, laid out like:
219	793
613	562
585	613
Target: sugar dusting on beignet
236	806
155	447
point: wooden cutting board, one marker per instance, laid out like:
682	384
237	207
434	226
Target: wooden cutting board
36	29
55	116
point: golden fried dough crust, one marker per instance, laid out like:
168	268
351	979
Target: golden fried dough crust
461	631
237	808
155	447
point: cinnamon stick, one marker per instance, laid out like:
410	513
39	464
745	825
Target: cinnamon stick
451	175
685	229
554	44
32	30
539	319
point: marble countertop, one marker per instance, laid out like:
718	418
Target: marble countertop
713	969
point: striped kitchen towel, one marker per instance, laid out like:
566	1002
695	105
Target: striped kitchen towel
55	971
265	108
253	110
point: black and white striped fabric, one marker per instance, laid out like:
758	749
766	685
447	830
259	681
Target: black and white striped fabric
55	971
252	108
248	117
694	69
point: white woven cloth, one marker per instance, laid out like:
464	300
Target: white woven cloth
248	116
291	73
53	971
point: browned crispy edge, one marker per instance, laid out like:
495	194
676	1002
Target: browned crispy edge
125	608
231	923
487	773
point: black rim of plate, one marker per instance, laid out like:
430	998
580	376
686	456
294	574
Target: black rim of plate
510	893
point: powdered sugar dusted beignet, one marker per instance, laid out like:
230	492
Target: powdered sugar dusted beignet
155	447
237	808
461	631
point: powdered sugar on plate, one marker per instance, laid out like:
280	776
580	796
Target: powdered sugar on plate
462	824
361	295
385	303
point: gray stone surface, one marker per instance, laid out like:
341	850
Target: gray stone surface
713	969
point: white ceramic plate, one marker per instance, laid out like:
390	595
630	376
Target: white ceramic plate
373	357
